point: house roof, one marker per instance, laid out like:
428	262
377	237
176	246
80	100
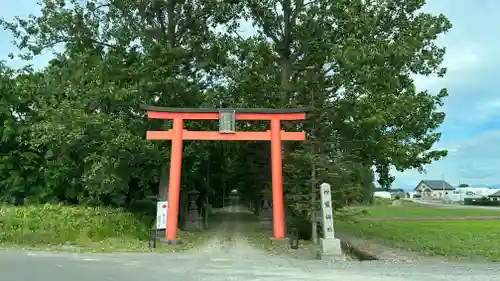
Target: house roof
437	185
394	190
496	194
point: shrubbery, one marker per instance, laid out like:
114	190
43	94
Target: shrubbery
484	201
58	224
382	201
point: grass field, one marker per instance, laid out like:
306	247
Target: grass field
84	229
458	239
453	239
420	211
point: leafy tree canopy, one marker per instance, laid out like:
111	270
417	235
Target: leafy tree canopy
73	131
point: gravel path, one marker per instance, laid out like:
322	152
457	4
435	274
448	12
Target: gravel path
226	257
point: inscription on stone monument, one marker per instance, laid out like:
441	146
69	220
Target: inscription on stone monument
330	246
327	211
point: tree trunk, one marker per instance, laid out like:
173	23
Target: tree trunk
314	221
163	187
164	179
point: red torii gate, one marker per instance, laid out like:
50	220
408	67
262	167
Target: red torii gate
226	131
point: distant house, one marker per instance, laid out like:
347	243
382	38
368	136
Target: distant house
495	196
433	188
391	191
388	193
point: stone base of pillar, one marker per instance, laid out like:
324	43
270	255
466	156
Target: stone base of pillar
284	242
330	249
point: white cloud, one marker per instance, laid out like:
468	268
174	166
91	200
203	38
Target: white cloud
471	132
475	161
460	61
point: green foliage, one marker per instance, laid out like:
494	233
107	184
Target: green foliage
382	201
454	239
57	224
73	132
483	201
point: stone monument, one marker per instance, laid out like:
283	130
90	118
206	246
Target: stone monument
329	244
194	221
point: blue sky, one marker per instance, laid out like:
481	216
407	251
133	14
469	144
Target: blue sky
471	131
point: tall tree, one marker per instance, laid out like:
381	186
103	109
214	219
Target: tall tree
81	135
353	61
116	55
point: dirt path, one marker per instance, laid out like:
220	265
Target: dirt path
230	245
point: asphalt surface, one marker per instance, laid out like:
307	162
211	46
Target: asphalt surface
454	206
224	259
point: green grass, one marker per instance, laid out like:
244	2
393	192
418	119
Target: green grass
455	239
400	195
86	229
418	211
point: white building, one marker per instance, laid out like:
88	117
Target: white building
433	189
461	193
382	194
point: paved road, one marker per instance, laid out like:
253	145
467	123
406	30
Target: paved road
22	266
442	205
223	258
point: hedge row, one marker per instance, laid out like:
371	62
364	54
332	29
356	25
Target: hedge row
58	224
484	201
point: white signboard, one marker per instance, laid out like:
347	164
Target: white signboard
161	214
327	210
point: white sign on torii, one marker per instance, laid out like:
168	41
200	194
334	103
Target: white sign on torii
161	215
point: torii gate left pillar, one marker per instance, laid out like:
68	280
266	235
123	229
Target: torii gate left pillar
226	131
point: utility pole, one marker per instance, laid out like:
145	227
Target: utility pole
314	223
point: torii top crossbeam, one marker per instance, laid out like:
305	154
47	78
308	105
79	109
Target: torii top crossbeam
249	114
